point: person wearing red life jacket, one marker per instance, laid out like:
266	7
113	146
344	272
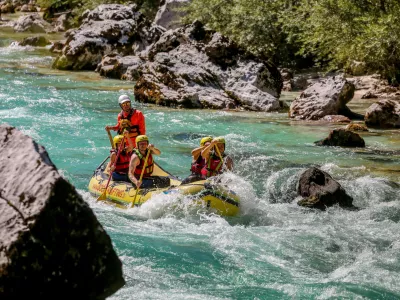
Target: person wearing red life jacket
216	160
137	164
129	119
120	168
198	162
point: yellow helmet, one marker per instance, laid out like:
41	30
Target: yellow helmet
205	140
117	139
141	138
220	140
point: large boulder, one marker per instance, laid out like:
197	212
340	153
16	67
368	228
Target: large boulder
33	23
109	28
170	13
327	97
383	114
197	68
123	67
342	138
320	190
51	244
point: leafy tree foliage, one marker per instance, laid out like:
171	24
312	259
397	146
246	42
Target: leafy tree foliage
334	32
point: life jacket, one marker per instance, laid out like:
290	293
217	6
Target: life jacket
122	165
198	165
149	166
213	166
133	130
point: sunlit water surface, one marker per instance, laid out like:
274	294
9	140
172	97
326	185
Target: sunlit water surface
173	250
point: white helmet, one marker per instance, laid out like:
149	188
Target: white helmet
123	99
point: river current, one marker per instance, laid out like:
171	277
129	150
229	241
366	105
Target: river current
171	250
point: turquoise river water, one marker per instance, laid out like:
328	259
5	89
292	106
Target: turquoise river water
171	250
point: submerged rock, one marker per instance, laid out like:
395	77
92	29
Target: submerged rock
327	97
321	190
51	244
343	138
383	114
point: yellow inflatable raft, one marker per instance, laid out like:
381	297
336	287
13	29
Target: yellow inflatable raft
215	197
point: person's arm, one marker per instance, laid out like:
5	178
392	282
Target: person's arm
130	145
206	151
197	152
154	150
228	163
110	166
115	127
132	167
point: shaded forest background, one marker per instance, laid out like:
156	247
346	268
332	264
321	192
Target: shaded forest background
329	34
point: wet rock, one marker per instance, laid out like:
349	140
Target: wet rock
321	190
356	127
33	23
109	28
170	13
383	114
336	119
36	41
51	244
343	138
327	97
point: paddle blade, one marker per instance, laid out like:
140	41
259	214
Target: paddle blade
102	197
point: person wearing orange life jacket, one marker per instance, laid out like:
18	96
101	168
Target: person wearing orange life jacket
130	119
137	164
214	164
120	168
198	162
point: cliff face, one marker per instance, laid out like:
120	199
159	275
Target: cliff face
51	244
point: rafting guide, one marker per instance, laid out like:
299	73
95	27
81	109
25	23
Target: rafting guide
129	119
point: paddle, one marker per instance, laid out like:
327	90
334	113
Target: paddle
103	195
110	138
141	177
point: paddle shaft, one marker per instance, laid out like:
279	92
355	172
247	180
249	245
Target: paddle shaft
141	176
104	194
110	138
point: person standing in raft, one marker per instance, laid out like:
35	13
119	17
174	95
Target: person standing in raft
119	170
130	119
198	162
216	159
137	165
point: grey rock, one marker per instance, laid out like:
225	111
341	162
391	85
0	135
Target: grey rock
342	138
51	244
33	23
110	28
321	191
36	41
169	14
383	114
327	97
